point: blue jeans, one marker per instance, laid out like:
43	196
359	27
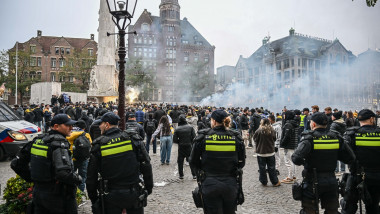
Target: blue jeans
148	139
166	148
82	171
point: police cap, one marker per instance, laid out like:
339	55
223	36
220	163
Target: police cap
365	114
110	118
62	119
319	118
219	115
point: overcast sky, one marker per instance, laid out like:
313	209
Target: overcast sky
234	27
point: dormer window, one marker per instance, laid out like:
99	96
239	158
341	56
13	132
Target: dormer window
145	27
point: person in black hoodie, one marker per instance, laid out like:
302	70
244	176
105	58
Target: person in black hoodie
174	114
255	124
38	116
184	136
339	127
244	127
94	128
289	141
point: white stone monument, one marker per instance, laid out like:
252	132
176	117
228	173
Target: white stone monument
104	76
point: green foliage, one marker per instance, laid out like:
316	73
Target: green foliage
18	194
141	77
197	80
79	65
26	72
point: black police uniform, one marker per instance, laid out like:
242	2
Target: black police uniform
120	159
218	153
51	170
320	149
365	142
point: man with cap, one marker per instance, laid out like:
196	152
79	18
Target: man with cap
117	161
218	155
51	169
132	125
319	151
365	171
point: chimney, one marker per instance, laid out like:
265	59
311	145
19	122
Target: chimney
92	36
39	33
291	32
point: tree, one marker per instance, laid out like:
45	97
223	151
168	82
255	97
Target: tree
198	81
78	65
26	72
141	77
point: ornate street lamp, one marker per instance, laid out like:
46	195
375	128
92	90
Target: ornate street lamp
122	13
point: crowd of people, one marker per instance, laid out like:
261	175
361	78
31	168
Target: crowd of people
277	139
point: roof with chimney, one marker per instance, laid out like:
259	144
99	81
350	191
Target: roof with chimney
47	42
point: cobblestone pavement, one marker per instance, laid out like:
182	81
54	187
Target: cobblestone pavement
171	195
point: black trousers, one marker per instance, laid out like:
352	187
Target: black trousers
327	194
117	200
183	153
270	164
46	201
219	195
350	206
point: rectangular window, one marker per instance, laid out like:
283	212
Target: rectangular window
196	55
62	78
292	62
32	49
39	61
90	52
287	75
61	62
33	61
299	73
286	63
304	61
279	77
278	65
171	28
62	51
71	78
68	51
310	63
56	50
293	74
53	62
257	71
299	62
317	64
52	77
186	58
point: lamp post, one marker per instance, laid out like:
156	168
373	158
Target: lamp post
122	19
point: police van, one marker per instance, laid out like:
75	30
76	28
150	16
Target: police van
14	132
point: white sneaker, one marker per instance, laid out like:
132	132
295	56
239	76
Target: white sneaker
187	163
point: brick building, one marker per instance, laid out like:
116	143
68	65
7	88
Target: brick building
176	53
50	54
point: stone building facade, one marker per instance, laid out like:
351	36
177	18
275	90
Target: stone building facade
225	76
176	53
49	54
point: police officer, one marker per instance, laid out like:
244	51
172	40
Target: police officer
119	158
51	169
217	154
365	142
318	151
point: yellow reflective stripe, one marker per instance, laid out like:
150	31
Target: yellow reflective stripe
219	141
368	138
327	141
38	152
368	143
221	148
327	146
117	150
40	146
115	144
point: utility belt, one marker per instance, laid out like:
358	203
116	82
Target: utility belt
308	176
57	188
208	174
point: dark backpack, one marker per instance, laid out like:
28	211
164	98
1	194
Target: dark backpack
81	147
150	127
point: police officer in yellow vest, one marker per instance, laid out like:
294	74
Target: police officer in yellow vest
318	151
217	155
119	158
365	172
51	169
